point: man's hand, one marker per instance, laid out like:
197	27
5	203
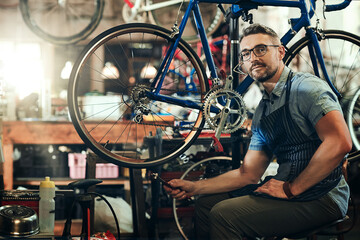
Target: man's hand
180	189
273	188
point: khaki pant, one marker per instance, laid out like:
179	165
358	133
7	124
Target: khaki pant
220	217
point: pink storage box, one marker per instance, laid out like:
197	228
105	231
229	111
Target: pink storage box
77	165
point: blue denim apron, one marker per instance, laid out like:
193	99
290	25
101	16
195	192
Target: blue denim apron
293	150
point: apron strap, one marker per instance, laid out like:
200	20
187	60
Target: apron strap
288	86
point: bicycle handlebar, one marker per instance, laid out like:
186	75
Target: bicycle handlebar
336	7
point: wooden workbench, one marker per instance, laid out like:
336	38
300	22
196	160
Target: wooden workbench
30	132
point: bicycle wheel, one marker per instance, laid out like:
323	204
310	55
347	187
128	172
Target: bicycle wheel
62	22
126	125
211	15
341	51
353	119
183	210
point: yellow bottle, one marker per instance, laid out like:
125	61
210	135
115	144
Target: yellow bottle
47	206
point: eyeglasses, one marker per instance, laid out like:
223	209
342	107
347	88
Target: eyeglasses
259	51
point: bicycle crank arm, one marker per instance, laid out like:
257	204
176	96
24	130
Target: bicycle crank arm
224	115
215	144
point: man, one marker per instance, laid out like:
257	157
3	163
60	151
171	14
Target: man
300	122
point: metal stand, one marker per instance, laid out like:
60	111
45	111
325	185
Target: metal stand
234	37
155	188
138	204
137	196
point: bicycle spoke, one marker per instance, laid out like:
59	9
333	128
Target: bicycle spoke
341	55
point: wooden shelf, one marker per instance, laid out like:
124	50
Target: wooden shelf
38	132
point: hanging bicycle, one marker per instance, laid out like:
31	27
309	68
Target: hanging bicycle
156	101
65	22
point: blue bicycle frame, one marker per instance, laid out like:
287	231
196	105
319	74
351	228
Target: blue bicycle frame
238	9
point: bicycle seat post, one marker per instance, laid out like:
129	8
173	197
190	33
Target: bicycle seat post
234	60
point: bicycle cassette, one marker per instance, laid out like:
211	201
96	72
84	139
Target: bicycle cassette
138	94
230	102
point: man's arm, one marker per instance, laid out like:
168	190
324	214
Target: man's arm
253	167
336	143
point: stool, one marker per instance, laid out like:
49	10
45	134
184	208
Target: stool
334	228
331	229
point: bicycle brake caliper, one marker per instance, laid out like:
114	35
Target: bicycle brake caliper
175	31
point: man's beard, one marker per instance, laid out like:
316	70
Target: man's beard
268	75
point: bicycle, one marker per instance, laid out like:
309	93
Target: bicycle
181	119
80	18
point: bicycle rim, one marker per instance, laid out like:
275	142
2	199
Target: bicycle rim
125	127
62	22
206	168
353	119
165	17
341	51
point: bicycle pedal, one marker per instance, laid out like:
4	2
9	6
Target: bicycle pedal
217	146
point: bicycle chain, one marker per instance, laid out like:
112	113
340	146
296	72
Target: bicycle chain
234	139
178	128
214	90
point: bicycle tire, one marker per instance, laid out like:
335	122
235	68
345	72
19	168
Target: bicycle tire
165	17
185	230
337	47
77	20
353	119
132	47
342	57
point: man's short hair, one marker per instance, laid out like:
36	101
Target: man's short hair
259	29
